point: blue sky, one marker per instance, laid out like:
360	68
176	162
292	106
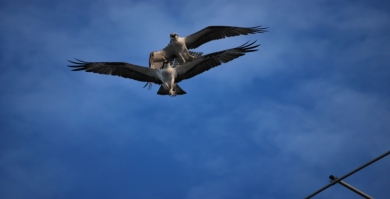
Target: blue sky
313	101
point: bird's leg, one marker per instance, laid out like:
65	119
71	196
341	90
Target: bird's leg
172	89
189	55
167	86
192	57
181	60
172	93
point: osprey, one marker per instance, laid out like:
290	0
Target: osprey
167	75
178	46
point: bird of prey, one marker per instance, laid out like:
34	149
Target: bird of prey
178	47
167	76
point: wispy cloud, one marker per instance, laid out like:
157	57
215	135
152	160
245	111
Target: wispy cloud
313	101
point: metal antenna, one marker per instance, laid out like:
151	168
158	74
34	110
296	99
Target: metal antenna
348	186
347	175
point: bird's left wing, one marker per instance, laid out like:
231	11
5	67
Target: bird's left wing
206	62
121	69
156	59
219	32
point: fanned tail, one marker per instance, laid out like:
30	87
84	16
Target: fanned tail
178	90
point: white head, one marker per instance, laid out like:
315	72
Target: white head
174	36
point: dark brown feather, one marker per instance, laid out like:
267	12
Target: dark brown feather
206	62
219	32
121	69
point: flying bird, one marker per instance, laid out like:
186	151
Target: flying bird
167	76
178	47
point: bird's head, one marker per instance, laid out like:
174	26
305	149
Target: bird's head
173	36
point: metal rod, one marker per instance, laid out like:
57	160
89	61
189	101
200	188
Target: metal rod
347	175
351	187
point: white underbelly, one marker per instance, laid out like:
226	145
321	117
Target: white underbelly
178	48
166	78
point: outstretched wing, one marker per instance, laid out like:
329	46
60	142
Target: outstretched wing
219	32
206	62
121	69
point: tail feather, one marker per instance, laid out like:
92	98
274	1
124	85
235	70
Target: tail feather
162	91
178	90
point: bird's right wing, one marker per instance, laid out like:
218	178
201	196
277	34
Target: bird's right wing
211	33
206	62
121	69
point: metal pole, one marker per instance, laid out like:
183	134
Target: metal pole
350	187
347	175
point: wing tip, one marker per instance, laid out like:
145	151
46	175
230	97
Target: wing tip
249	47
80	65
259	29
